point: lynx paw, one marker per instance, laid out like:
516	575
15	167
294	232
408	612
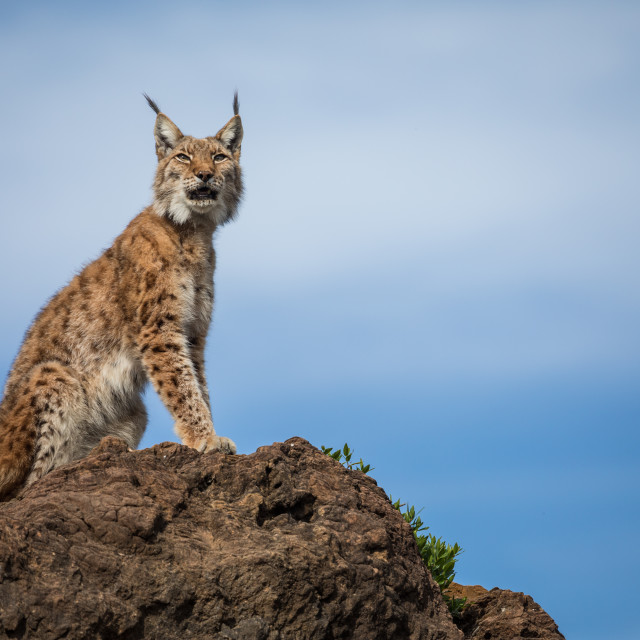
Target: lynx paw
216	443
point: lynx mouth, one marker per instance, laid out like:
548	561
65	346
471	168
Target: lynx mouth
203	193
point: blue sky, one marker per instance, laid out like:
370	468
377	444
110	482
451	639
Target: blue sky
436	259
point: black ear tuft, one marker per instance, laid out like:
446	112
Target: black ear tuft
236	104
152	104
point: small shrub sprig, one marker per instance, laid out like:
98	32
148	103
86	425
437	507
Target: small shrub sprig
439	556
344	456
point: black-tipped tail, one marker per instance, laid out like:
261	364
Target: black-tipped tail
152	104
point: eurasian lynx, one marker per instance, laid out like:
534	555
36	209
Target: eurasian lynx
140	312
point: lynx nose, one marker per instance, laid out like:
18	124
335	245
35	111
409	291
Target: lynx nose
204	176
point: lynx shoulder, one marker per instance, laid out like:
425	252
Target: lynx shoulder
138	313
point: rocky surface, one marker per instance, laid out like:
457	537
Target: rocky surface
502	615
169	543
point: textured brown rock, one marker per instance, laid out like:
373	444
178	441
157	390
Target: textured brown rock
502	615
169	543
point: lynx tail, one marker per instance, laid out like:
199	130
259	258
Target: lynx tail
16	458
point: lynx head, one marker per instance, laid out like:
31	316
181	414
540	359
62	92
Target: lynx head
197	178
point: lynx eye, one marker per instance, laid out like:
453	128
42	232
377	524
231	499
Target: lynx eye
183	157
219	157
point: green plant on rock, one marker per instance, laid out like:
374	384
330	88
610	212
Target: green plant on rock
439	556
343	455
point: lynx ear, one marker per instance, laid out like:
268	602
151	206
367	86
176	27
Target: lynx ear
231	134
167	135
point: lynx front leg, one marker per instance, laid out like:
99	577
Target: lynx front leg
217	443
196	351
166	357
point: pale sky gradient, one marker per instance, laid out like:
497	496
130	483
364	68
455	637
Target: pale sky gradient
436	259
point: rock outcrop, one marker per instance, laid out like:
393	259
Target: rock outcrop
501	614
169	543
